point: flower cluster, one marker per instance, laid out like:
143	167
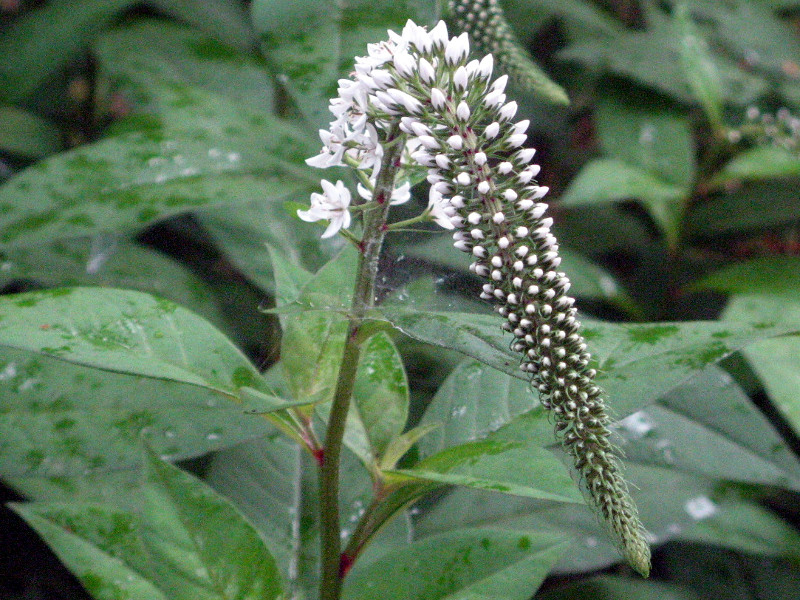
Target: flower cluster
781	130
458	124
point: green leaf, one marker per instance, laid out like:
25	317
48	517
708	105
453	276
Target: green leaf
380	399
98	544
225	21
313	340
610	587
698	65
140	57
27	134
766	275
637	363
608	180
753	205
108	260
185	542
710	427
125	332
664	515
62	423
202	545
46	39
500	466
274	482
311	44
465	564
652	57
654	136
761	162
749	527
462	413
202	149
775	361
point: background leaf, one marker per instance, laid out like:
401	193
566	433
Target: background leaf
202	546
507	565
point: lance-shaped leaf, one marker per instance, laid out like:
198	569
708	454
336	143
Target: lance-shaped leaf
489	563
185	542
637	363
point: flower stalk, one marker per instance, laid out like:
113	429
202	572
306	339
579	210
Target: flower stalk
363	299
417	101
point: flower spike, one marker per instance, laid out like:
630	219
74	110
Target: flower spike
458	125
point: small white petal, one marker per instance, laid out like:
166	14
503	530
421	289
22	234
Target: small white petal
426	71
516	140
480	158
457	49
438	99
461	78
504	168
500	83
405	64
508	111
522	126
485	67
492	130
439	35
463	178
456	142
442	161
462	111
484	187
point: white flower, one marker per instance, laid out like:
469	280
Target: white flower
331	206
438	209
400	194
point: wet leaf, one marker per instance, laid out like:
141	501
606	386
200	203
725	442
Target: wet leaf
312	44
125	332
138	58
380	399
761	162
46	39
27	134
488	563
186	542
129	180
637	363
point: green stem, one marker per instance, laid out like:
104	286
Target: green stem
363	298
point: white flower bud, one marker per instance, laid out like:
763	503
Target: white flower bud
504	168
508	111
485	66
462	111
426	71
439	35
516	140
463	178
492	130
521	127
456	142
405	64
438	99
457	49
500	83
461	78
483	187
